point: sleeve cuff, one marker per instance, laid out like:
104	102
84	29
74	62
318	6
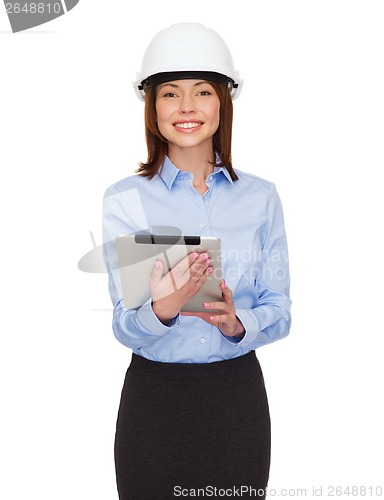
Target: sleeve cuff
151	322
236	340
251	328
232	340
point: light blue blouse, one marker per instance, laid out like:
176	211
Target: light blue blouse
247	217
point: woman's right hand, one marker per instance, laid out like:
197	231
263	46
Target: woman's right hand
171	291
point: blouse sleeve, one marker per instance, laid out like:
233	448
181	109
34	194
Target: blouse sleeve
270	320
139	327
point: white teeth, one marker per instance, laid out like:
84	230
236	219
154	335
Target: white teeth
187	125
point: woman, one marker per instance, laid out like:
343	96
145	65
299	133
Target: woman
194	412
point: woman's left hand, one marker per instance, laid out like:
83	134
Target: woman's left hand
226	320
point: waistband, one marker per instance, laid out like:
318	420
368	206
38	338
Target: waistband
195	369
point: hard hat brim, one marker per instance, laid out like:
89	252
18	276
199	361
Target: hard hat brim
158	78
210	76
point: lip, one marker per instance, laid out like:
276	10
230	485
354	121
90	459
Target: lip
187	130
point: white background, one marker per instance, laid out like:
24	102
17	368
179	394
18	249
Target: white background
310	118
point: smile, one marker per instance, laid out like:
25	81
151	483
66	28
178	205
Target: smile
188	124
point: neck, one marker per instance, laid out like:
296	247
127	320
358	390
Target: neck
195	160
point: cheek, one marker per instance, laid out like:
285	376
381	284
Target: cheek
215	114
159	117
162	116
218	114
163	113
158	112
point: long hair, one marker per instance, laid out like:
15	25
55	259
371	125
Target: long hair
157	145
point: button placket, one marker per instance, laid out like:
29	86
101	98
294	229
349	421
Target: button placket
200	212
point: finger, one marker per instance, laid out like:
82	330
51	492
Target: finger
181	271
201	270
193	281
203	315
161	286
181	267
221	306
189	313
227	292
200	264
192	266
198	271
157	273
219	318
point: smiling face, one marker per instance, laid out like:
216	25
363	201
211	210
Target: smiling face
188	113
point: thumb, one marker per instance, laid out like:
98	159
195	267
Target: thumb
157	273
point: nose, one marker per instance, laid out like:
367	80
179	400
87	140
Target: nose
187	104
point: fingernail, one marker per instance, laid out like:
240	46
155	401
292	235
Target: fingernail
206	304
225	285
195	256
212	318
209	270
157	264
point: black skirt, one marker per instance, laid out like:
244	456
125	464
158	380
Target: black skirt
184	427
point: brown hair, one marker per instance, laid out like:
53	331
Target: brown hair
157	145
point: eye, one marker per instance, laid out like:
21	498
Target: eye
205	92
170	94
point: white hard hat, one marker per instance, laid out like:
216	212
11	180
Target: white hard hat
187	50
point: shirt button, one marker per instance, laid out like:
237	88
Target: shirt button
210	177
202	226
203	341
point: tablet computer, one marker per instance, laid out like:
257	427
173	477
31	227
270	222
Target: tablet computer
138	252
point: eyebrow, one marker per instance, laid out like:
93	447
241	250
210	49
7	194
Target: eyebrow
174	86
